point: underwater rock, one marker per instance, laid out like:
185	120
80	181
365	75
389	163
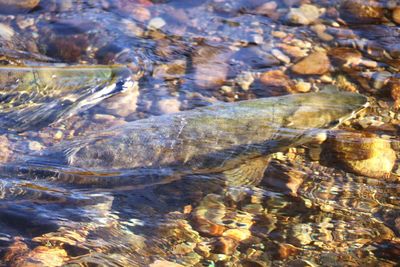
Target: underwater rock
213	218
364	153
305	14
361	11
277	79
396	15
12	6
316	63
210	66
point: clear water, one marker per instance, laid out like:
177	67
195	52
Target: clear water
324	215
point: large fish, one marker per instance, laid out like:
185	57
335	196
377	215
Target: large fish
32	97
230	138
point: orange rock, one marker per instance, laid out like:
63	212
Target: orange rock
287	250
9	6
277	78
292	50
395	93
237	234
316	63
210	228
364	153
396	15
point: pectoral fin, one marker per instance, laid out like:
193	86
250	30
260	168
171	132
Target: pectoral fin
248	173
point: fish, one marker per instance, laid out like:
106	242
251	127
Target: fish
32	97
234	139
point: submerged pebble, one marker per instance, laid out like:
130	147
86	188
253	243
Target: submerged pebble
316	63
305	14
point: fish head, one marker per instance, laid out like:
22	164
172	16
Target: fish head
324	109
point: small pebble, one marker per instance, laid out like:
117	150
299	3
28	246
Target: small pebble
316	63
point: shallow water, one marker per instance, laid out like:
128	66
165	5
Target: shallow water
310	209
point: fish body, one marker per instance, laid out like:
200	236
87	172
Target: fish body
31	97
216	138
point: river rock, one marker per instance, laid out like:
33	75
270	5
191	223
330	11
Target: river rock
395	92
210	66
396	15
213	218
305	14
316	63
345	56
168	105
287	250
12	6
364	153
292	51
361	11
277	79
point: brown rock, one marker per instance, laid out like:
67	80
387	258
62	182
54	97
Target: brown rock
277	78
284	178
15	250
364	153
210	65
345	56
12	6
396	15
68	48
395	92
361	11
315	64
225	245
287	250
293	51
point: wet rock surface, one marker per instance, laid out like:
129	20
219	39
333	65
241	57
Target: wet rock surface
364	154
